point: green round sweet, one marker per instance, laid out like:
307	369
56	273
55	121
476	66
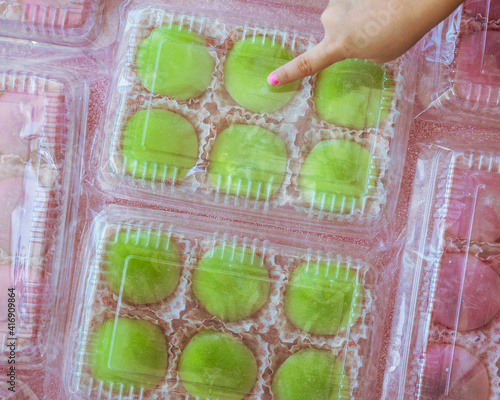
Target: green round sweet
231	283
337	175
131	352
213	365
323	299
246	70
142	266
174	62
159	145
311	374
353	93
248	161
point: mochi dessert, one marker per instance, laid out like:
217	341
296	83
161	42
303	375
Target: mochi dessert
247	67
311	374
129	352
323	298
354	94
452	373
248	161
231	283
159	145
470	284
174	62
337	176
214	365
142	266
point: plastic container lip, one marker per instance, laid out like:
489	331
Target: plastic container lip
200	227
75	23
461	79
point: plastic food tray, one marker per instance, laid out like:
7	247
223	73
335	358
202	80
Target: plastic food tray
297	124
36	162
447	323
268	333
462	66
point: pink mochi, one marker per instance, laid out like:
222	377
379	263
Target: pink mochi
473	8
478	63
452	373
5	283
21	116
11	198
480	298
474	207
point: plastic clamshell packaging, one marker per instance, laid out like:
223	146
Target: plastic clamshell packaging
39	114
462	66
239	285
447	323
57	21
248	149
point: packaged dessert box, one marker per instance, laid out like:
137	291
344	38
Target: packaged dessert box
248	149
180	305
41	117
462	66
73	22
446	323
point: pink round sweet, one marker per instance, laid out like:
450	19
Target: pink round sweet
477	293
5	283
474	8
11	197
474	207
478	65
452	373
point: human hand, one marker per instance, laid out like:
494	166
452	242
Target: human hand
377	30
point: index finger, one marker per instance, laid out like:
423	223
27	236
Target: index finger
312	61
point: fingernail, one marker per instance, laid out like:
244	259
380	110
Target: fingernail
272	80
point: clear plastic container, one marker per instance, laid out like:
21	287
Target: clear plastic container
462	67
41	116
445	332
281	185
72	22
271	281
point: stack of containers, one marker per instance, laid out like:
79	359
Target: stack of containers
445	337
43	112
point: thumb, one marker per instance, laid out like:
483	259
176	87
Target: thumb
312	61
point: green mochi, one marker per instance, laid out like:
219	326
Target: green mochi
246	70
215	366
337	175
174	62
132	353
159	145
311	374
248	161
323	299
144	266
353	93
231	283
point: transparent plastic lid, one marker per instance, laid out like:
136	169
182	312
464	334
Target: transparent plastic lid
319	152
450	283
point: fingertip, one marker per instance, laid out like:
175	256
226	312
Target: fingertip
272	79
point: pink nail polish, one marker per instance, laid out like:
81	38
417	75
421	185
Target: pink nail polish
272	80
